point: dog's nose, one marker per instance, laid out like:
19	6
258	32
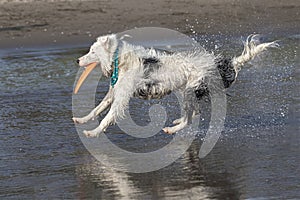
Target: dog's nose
77	61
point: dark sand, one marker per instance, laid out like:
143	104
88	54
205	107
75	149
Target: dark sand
57	23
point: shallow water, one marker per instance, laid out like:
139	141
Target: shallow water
42	155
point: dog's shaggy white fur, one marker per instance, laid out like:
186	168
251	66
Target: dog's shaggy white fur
147	73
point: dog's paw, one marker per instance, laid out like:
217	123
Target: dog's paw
90	134
78	120
169	130
176	128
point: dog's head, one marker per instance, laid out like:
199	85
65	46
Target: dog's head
101	53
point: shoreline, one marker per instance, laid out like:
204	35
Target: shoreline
60	23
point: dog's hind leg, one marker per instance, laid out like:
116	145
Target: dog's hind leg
180	123
105	103
178	127
181	119
189	99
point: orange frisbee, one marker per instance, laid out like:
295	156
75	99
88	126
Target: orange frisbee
84	75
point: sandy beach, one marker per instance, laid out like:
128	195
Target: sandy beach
47	23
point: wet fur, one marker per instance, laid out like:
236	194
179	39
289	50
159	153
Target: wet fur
148	74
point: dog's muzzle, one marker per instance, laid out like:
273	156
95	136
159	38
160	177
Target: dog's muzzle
88	69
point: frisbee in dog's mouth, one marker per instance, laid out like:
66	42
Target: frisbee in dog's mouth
84	75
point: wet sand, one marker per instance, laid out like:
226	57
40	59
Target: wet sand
49	23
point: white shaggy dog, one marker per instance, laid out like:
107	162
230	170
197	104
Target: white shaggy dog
146	73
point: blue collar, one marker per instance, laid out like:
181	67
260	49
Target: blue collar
115	65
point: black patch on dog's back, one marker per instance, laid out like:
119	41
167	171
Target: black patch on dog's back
150	64
150	60
227	73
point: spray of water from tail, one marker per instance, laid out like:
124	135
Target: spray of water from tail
251	49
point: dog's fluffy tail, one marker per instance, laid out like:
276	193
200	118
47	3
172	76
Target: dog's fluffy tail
251	49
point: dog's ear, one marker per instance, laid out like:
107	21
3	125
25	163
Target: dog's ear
107	41
104	40
125	36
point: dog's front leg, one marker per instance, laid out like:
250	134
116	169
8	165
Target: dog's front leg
122	93
115	111
108	120
106	102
